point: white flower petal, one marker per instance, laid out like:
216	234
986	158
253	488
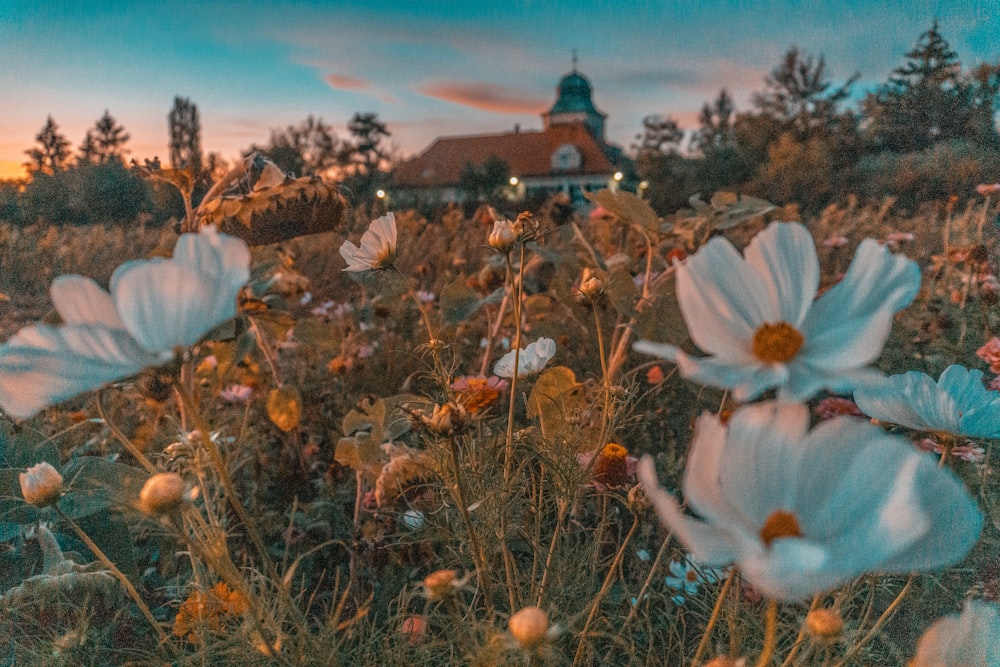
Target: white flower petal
164	304
707	543
962	640
785	256
43	365
764	437
717	296
80	300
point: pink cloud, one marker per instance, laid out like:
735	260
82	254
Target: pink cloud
345	82
485	96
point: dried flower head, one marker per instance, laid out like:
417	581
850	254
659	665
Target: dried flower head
162	493
591	284
612	466
442	583
41	485
529	627
824	623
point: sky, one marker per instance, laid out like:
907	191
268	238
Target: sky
431	68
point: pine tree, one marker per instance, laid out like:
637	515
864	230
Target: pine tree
53	153
716	124
799	95
88	151
367	132
925	100
110	138
185	135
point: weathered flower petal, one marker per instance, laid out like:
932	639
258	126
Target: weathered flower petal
164	304
80	300
43	364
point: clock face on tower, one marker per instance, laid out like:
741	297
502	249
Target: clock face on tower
566	157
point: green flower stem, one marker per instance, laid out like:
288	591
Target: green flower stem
219	464
608	580
123	439
432	340
713	619
119	575
877	627
478	555
770	634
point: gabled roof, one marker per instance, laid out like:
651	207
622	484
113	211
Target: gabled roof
526	153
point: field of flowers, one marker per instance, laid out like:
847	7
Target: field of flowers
726	437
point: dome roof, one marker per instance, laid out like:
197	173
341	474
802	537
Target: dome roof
574	95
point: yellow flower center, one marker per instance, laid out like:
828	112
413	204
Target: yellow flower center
776	343
780	524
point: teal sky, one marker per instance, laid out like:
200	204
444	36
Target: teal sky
427	68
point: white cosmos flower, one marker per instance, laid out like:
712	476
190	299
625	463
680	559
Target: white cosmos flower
958	403
971	639
758	318
802	512
154	306
531	360
378	246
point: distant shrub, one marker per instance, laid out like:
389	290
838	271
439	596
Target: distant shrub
948	168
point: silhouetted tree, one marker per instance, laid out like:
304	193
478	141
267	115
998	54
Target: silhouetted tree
309	147
484	183
798	94
715	130
367	133
53	152
185	135
110	139
88	151
660	134
927	99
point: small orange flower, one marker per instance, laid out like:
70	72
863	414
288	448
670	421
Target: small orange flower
210	610
612	465
475	394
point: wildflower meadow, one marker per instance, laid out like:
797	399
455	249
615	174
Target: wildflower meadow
298	432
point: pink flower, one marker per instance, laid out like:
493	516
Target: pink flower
990	353
236	393
988	188
835	242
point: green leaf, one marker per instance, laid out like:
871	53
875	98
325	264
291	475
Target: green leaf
555	399
627	207
458	302
622	292
79	504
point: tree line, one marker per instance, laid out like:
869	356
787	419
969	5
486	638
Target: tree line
928	133
97	185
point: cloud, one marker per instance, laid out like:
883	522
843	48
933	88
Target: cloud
485	96
345	82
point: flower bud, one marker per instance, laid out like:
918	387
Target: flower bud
725	661
161	493
503	238
591	284
824	623
529	627
446	419
440	584
41	485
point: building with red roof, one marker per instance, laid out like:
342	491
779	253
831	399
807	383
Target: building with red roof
570	154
